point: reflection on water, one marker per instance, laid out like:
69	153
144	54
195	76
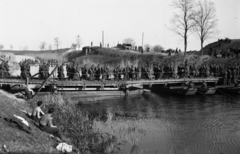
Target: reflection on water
172	125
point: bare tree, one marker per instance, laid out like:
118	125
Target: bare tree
147	47
56	42
11	46
205	21
158	48
1	46
182	21
42	46
129	41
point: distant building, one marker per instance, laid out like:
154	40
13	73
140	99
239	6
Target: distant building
127	46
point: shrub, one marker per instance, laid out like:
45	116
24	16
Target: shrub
77	125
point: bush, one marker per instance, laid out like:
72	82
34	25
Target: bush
77	125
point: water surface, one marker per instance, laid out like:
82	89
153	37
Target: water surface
165	124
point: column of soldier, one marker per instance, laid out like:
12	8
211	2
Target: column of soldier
230	74
25	70
4	69
76	72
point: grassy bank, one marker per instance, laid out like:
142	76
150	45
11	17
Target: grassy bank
16	140
77	125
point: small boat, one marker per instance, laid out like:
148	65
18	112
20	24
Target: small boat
146	91
233	90
180	90
207	91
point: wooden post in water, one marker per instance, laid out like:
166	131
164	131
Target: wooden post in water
44	82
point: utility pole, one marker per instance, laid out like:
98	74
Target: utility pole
103	38
142	38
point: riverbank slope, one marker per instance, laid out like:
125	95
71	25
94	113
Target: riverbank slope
16	140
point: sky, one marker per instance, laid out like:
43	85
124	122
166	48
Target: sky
27	23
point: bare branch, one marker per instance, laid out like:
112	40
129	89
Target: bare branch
205	21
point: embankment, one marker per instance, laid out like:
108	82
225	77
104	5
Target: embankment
18	141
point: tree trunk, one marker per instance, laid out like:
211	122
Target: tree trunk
202	46
185	42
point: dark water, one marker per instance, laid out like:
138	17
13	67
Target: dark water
164	124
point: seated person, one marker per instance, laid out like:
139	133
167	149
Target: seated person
191	84
46	125
37	112
204	85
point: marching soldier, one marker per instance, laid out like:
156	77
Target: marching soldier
139	73
98	72
60	72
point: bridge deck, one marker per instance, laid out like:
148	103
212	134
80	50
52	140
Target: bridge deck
12	81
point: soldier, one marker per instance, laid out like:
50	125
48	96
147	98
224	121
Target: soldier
115	73
229	77
191	84
70	71
120	74
40	76
84	72
60	72
28	69
144	73
42	69
25	70
6	67
131	73
127	72
171	70
204	85
91	72
139	73
234	76
155	71
106	69
161	71
98	72
78	74
147	72
105	73
2	70
191	71
45	69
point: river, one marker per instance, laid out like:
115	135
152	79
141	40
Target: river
165	124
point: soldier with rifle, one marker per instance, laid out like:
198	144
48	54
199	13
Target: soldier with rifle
60	72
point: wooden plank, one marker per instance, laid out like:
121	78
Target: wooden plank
99	83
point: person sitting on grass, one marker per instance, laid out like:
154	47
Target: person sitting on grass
46	125
37	112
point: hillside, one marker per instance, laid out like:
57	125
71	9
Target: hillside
114	57
222	44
